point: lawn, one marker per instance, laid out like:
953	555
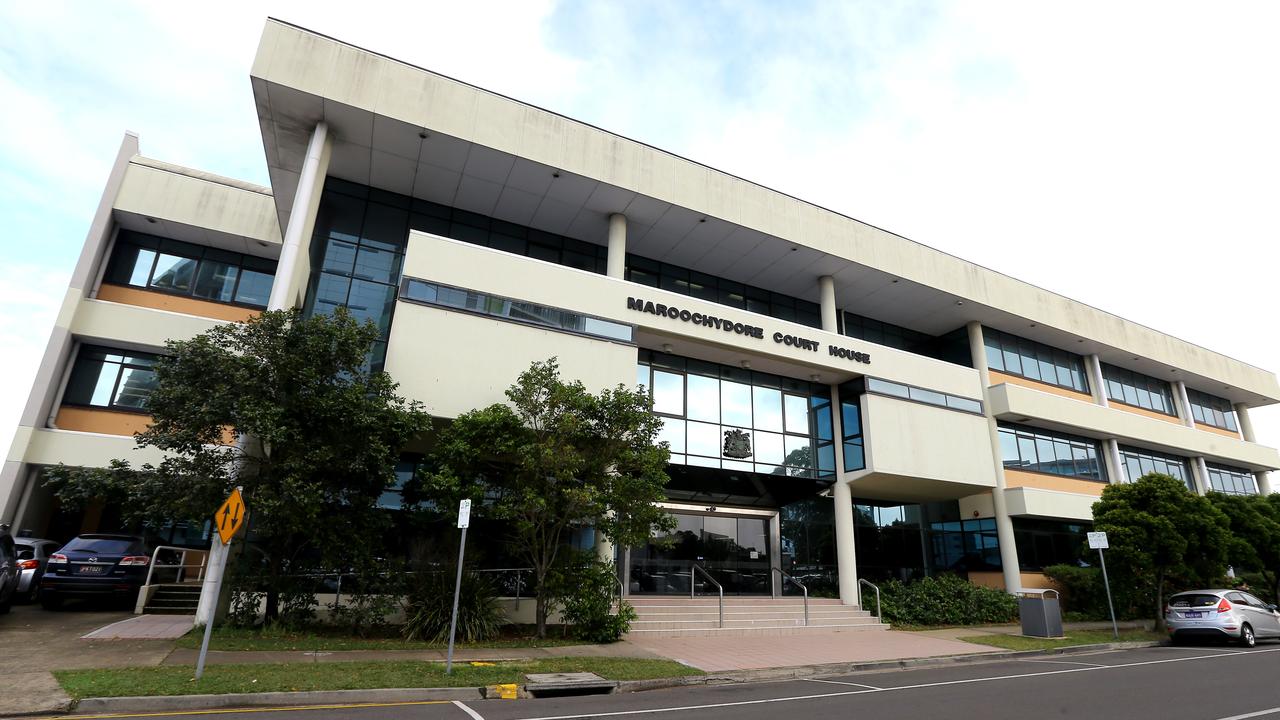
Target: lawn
220	679
1077	637
328	639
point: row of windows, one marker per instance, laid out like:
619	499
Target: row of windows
877	386
1232	481
515	310
1144	391
1036	450
724	292
883	333
851	431
1140	462
171	266
1035	361
1211	410
112	379
1042	543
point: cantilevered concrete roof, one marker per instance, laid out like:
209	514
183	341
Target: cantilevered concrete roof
411	131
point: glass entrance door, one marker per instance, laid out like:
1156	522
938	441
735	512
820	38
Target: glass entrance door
733	550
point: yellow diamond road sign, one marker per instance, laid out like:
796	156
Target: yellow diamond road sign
230	516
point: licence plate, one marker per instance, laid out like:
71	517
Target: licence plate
90	570
1194	614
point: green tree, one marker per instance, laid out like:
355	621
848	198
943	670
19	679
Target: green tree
1159	533
1255	535
285	406
557	457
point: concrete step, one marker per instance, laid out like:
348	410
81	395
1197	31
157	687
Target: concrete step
749	610
728	599
749	621
149	610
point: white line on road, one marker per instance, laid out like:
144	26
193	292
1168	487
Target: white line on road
1228	651
1066	662
463	706
838	682
847	693
1259	713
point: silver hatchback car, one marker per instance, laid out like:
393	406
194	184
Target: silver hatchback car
1232	614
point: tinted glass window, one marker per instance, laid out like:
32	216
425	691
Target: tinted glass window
106	546
1026	358
1139	462
1037	450
102	377
207	273
1212	410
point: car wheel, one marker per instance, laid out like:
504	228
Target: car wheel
33	594
50	603
1247	638
7	604
1177	640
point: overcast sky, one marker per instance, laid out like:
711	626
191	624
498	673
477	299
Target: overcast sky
1123	154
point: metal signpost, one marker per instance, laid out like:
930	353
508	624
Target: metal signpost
464	519
1098	541
228	519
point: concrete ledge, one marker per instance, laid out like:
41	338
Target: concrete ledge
178	703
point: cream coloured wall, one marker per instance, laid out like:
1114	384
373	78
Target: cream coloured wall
1013	402
434	258
50	447
99	319
324	67
455	361
914	440
1049	503
199	200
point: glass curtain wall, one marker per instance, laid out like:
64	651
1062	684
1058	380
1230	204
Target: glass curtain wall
910	541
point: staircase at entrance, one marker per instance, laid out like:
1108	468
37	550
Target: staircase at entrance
684	617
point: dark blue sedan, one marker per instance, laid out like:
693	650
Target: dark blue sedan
104	567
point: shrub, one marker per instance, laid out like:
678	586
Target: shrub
586	592
430	608
945	600
1084	595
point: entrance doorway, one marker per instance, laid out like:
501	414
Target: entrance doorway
735	550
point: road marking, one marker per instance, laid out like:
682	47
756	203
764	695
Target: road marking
847	693
350	706
838	682
1065	662
463	706
1259	713
1207	649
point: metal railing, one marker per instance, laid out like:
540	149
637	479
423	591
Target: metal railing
182	563
861	581
803	590
693	586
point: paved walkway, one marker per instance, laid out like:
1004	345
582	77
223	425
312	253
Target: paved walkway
183	656
145	627
759	651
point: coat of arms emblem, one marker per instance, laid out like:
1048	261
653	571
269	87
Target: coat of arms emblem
737	444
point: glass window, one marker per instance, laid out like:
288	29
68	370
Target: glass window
1140	462
704	439
1038	450
1027	358
1212	410
768	447
1144	391
202	272
797	414
767	408
668	393
216	281
1232	481
673	434
111	379
735	404
704	398
173	272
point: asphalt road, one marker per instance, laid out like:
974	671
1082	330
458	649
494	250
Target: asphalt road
1171	683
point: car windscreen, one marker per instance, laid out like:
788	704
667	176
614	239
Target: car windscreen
1194	601
106	546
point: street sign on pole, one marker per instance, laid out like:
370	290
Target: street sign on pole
464	519
228	519
1098	541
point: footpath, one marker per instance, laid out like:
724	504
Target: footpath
57	641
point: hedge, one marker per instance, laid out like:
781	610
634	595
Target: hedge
944	600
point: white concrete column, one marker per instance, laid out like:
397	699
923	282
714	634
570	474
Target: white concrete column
1246	431
1184	403
842	507
1097	383
292	268
1115	465
617	258
1200	475
827	297
604	548
1004	524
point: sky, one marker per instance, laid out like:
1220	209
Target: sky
1123	154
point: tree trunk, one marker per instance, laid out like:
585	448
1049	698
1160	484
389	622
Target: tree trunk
540	600
272	612
1160	626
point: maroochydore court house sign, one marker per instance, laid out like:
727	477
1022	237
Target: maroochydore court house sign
737	328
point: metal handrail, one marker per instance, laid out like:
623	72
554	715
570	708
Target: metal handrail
693	587
803	589
861	581
182	563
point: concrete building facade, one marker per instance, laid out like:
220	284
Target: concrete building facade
840	402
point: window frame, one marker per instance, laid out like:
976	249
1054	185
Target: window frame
1140	383
120	367
200	254
1206	405
1036	436
1006	344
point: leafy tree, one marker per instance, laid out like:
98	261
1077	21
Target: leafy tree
1159	533
557	457
285	406
1255	535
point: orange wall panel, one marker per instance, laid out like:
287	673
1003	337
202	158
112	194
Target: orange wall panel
97	420
1034	580
1143	411
1042	481
998	378
1218	430
175	303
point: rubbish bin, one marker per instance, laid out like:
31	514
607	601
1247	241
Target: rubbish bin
1040	612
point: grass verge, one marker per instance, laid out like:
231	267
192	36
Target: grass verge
1076	637
286	677
327	639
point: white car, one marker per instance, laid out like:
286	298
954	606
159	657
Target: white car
1230	614
33	558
